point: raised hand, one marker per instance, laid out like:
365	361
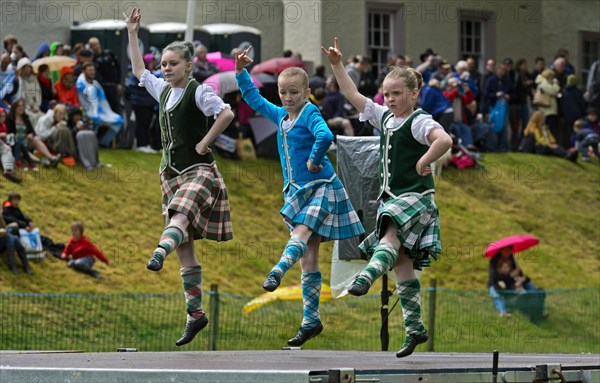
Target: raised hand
333	53
242	59
133	20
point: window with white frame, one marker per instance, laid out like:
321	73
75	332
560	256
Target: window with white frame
589	52
380	30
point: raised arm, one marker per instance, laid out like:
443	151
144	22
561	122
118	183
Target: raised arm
133	26
345	82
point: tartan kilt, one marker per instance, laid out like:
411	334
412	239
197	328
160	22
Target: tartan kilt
324	207
416	217
201	195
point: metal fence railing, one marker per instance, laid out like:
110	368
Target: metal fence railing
465	321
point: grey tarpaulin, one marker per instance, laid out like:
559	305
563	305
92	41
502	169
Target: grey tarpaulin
357	167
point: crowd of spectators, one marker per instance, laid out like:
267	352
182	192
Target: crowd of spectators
62	115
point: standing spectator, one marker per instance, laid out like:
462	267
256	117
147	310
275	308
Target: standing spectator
17	53
571	107
43	51
65	89
434	103
499	87
333	111
540	65
317	80
95	104
46	87
592	87
9	41
144	106
7	80
29	90
82	252
523	90
490	70
109	72
550	86
560	71
83	57
202	69
12	245
476	76
564	53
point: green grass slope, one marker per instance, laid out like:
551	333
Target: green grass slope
550	198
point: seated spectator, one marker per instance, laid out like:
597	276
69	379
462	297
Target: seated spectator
586	140
591	120
87	142
66	92
506	275
82	252
22	137
95	105
7	79
544	140
11	244
144	107
333	111
83	56
53	130
6	156
12	213
46	87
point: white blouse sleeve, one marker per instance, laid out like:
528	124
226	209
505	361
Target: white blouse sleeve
208	102
373	113
422	125
153	84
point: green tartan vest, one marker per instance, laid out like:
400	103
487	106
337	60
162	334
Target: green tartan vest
399	155
181	128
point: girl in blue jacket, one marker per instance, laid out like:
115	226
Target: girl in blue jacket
316	206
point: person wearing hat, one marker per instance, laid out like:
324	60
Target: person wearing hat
571	107
82	57
66	92
28	89
430	61
548	83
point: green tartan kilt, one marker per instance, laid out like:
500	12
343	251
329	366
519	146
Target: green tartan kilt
417	220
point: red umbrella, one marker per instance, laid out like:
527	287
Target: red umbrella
517	242
276	65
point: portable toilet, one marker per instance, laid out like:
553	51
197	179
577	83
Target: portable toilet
162	34
113	36
226	37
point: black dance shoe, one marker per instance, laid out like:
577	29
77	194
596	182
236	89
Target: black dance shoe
272	282
191	329
304	335
359	287
155	263
410	343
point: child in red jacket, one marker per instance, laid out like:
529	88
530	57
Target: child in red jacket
82	252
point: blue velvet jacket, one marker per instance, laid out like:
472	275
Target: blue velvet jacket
308	137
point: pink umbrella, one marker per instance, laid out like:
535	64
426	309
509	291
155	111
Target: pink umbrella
517	242
224	83
276	65
223	63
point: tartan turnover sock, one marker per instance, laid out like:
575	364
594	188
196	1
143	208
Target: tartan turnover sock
192	288
171	238
311	295
384	258
294	250
410	299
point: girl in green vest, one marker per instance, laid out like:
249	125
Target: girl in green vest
195	203
407	230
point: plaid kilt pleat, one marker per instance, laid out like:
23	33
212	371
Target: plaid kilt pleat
201	195
417	220
325	208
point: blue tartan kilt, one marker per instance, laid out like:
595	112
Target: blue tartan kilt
418	227
324	207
